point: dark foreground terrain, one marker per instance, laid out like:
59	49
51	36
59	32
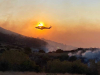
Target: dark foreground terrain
22	62
32	73
18	57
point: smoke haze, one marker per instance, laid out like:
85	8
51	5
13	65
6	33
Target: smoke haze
73	24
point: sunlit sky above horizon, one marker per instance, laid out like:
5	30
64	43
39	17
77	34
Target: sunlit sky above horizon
74	22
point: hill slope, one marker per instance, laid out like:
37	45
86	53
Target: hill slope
13	38
9	37
53	46
2	30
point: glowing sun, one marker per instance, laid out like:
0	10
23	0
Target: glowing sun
41	24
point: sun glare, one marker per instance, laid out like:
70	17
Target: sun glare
40	24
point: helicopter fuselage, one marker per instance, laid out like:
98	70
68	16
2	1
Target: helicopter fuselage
42	27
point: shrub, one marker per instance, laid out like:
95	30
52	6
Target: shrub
27	50
29	66
53	66
41	51
4	66
14	57
78	67
73	58
17	61
94	68
63	57
2	50
56	66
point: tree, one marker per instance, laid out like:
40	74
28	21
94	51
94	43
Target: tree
78	67
4	66
8	47
2	50
59	51
63	57
14	57
29	66
94	68
27	50
17	61
41	51
56	66
73	58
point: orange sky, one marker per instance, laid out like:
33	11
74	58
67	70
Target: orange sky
75	23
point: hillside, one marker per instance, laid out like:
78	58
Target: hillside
53	46
12	38
5	31
7	36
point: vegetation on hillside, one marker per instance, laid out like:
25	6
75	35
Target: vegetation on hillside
16	55
21	60
21	41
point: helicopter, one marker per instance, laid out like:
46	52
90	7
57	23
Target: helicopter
40	26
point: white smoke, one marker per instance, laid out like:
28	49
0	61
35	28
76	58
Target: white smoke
90	54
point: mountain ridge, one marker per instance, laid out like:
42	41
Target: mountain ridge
53	46
12	38
5	31
50	45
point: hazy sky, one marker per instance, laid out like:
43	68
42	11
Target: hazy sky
74	22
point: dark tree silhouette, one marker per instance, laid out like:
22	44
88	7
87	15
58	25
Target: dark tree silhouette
21	41
27	50
59	51
2	50
73	58
41	51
